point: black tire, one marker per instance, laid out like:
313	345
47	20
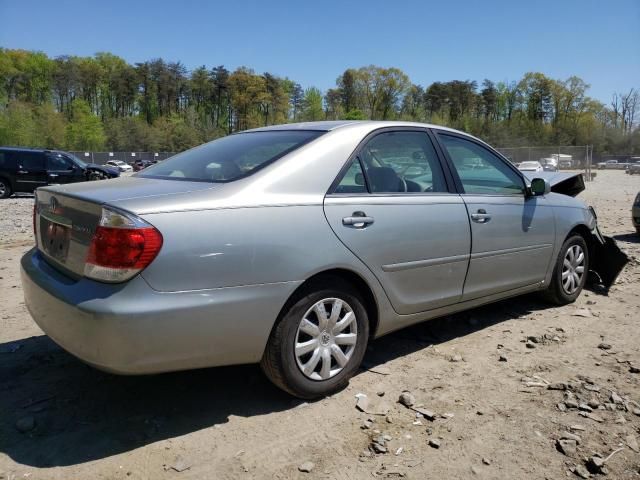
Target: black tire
279	361
556	292
5	188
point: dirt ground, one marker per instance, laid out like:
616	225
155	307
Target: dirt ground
493	418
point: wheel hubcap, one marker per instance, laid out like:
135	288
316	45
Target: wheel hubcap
3	190
573	269
326	339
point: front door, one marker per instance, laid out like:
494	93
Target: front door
393	209
513	233
61	169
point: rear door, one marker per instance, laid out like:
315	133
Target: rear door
31	171
513	233
392	206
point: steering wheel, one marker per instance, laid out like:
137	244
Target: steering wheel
403	182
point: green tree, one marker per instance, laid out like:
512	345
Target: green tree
84	131
312	105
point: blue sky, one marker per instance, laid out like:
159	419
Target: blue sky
313	42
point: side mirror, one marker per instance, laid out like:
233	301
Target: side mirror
359	179
539	186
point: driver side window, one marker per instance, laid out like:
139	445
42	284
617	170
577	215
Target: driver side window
402	162
57	161
480	171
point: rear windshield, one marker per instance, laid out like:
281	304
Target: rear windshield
230	158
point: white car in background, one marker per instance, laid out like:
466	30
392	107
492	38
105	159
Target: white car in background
530	167
120	165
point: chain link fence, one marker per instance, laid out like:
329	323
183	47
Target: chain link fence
554	158
128	157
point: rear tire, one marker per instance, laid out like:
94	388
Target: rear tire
5	188
570	272
311	356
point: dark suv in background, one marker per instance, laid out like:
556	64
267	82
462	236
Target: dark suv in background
25	169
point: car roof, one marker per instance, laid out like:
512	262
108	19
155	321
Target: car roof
327	126
24	149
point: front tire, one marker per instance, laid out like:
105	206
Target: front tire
570	272
319	342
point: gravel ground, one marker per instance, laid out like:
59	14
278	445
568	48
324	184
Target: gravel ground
16	219
512	390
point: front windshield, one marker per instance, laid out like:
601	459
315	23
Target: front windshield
230	158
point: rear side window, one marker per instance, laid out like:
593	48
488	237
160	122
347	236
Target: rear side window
6	161
30	161
230	158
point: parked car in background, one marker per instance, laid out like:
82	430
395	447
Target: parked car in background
635	213
549	164
22	170
530	167
611	165
294	246
141	165
120	165
633	167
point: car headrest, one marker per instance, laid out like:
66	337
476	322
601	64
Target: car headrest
384	179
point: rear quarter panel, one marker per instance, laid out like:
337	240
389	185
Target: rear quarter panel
245	246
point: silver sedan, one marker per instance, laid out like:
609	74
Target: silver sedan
294	246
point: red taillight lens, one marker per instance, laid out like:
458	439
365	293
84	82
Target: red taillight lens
124	247
117	253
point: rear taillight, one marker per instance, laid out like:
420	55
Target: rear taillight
122	246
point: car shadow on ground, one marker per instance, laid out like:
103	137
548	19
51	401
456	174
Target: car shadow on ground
628	237
82	414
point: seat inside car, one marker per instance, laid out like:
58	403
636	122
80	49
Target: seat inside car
385	179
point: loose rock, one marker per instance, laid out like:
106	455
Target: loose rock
407	399
180	464
456	358
617	399
557	386
307	467
434	443
570	436
582	472
568	447
604	346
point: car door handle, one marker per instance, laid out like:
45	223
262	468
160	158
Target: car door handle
481	216
53	175
358	220
23	171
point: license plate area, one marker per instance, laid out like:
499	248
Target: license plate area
55	241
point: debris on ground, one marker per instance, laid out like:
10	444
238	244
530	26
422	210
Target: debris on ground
306	467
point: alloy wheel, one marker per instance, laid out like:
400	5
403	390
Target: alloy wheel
326	338
573	269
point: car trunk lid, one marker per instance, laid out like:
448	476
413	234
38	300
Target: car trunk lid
67	216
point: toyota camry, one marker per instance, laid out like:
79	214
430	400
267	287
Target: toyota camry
293	246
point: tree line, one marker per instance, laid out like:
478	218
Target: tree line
103	102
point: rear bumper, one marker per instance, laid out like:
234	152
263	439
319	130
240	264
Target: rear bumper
132	329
